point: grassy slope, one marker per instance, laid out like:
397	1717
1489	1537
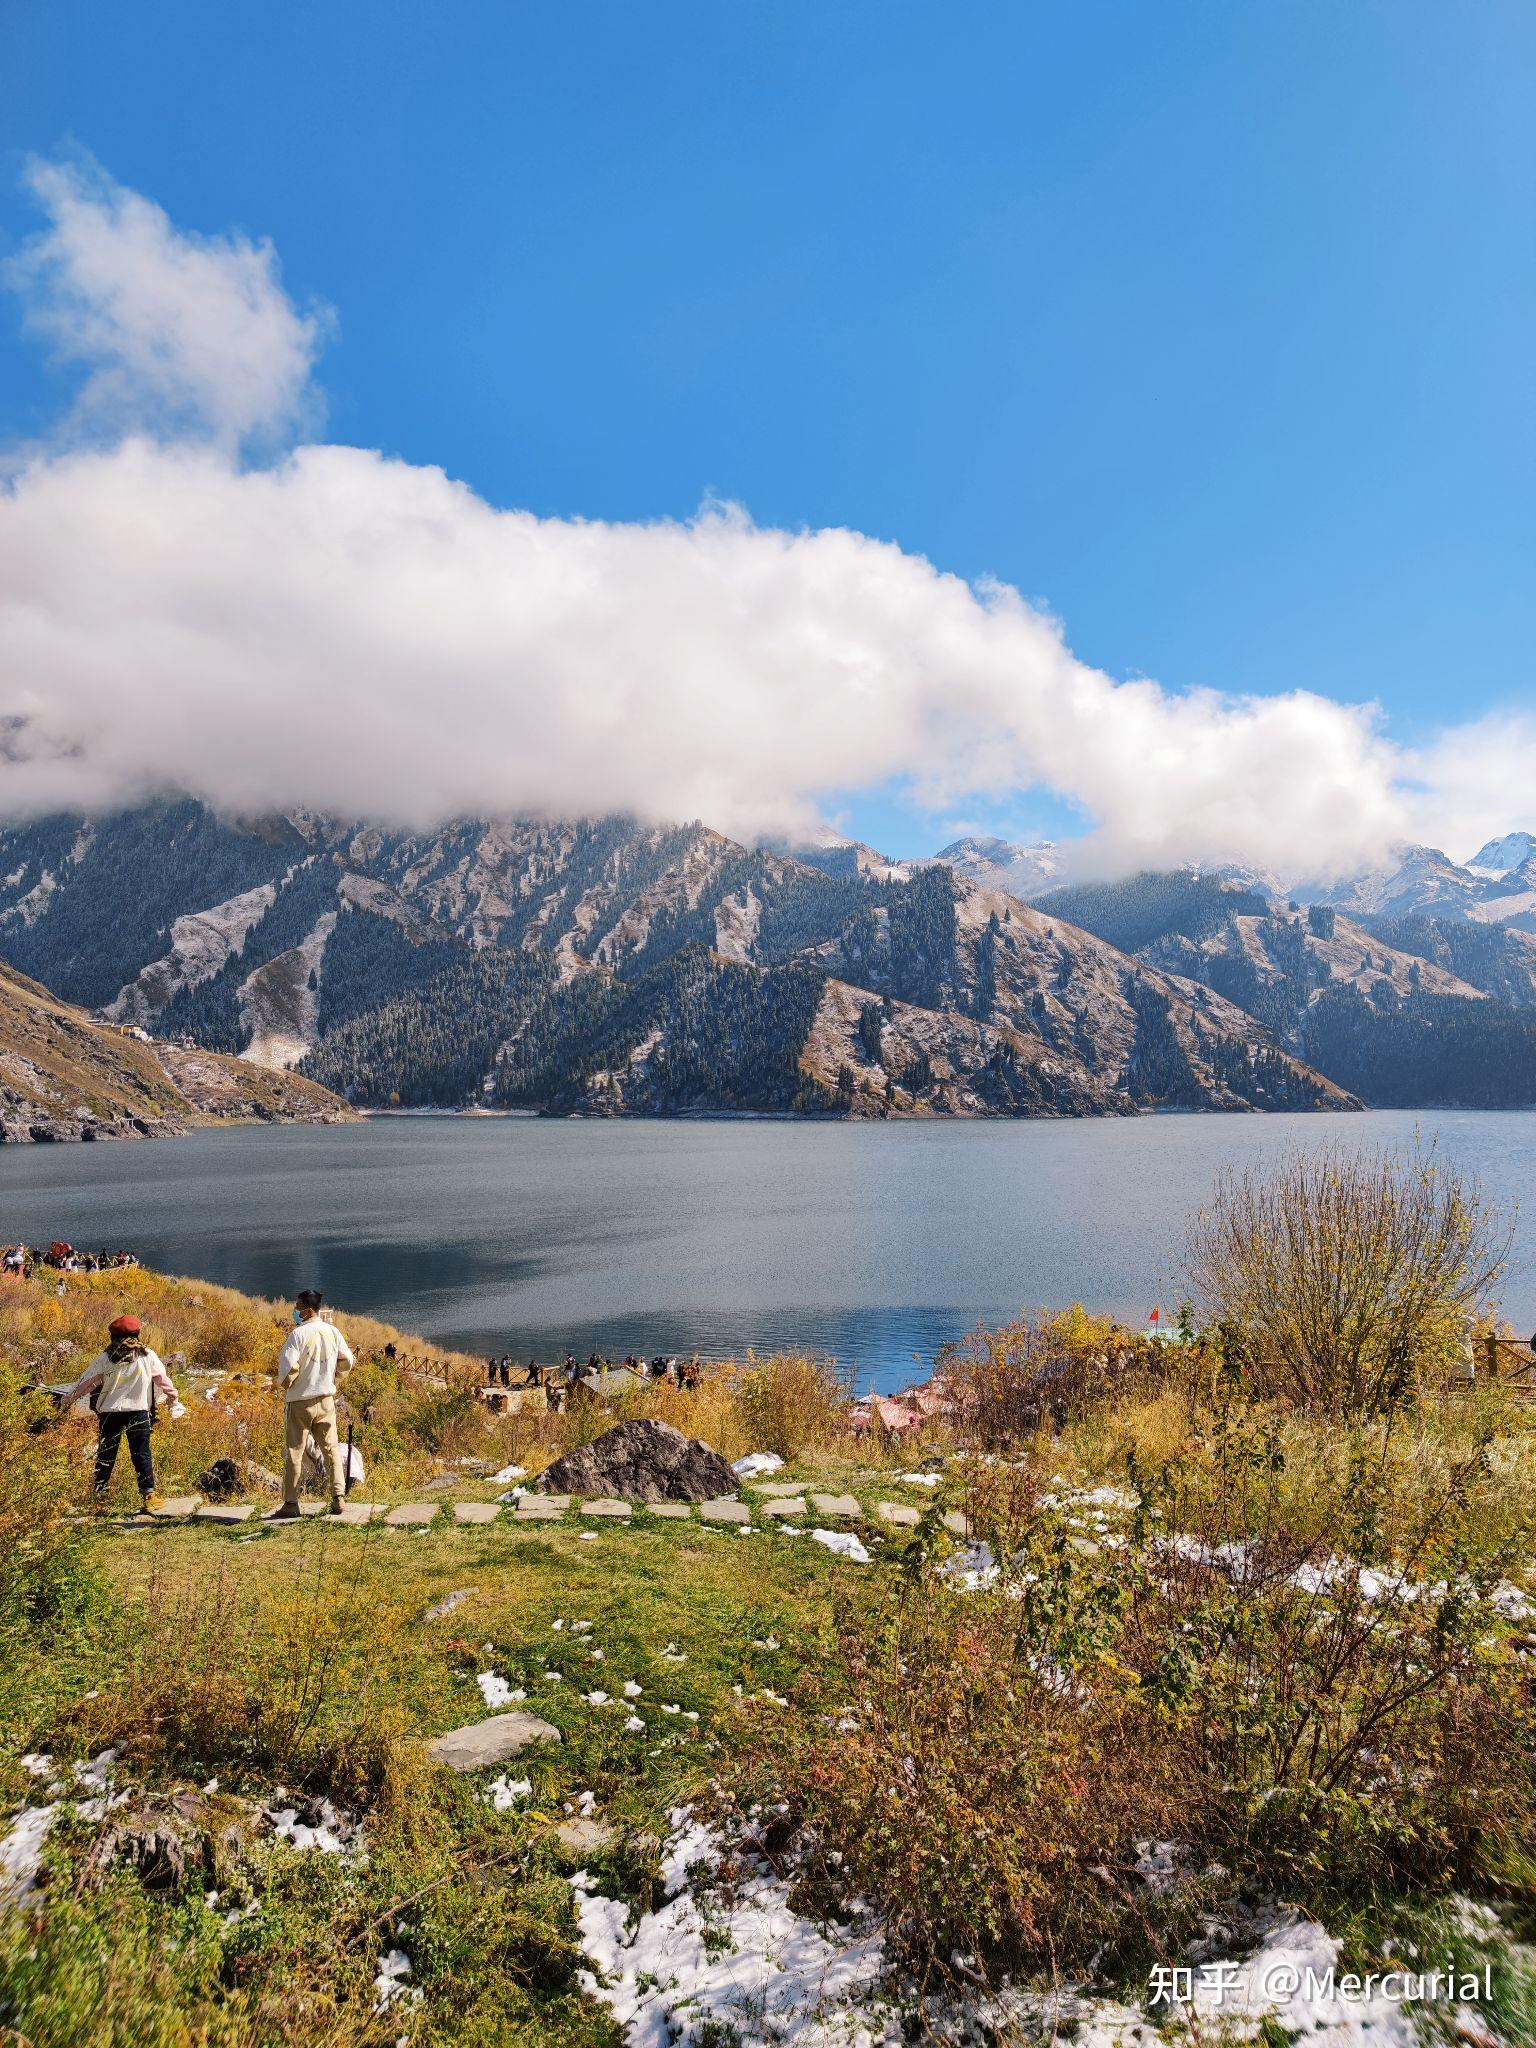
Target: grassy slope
194	1623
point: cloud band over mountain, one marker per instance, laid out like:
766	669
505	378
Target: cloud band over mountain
180	605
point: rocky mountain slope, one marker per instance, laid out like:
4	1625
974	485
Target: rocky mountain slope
1022	871
65	1075
1401	1010
605	965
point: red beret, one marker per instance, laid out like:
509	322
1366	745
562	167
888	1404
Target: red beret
124	1326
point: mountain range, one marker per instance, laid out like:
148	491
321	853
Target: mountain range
602	965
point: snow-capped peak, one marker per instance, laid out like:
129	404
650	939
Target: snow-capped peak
1503	856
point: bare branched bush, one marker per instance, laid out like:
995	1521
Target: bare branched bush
1345	1279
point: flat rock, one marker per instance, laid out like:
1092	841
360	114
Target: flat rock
836	1504
532	1509
178	1504
956	1523
785	1507
355	1511
724	1511
641	1461
774	1488
584	1836
901	1512
617	1510
212	1512
411	1511
670	1510
450	1603
475	1511
482	1743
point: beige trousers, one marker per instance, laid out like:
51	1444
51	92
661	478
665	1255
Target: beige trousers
316	1418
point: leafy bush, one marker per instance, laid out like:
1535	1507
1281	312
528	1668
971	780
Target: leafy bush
1004	1384
987	1747
44	1572
1347	1279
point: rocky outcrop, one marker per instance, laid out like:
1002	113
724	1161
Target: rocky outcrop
643	1461
66	1078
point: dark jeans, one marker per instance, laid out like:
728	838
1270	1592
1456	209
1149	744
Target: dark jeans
115	1425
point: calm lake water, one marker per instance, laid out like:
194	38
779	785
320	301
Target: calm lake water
874	1242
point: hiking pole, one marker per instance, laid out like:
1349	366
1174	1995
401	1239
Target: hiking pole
348	1487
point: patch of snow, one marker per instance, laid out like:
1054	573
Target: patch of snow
757	1465
753	1968
841	1543
494	1689
507	1474
504	1793
21	1852
390	1983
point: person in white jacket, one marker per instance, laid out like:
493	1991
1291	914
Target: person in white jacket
306	1371
129	1376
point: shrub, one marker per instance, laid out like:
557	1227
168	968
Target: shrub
985	1746
44	1574
1003	1385
1347	1278
792	1403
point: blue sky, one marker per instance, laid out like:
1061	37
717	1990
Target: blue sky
1210	326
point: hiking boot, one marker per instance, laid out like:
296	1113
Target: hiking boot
288	1512
337	1503
153	1502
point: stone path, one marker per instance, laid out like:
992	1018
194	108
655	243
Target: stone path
774	1504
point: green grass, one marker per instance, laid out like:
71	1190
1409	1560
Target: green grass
491	1930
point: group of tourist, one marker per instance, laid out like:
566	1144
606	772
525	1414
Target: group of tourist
677	1372
21	1261
127	1382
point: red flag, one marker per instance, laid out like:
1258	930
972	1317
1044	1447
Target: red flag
1155	1316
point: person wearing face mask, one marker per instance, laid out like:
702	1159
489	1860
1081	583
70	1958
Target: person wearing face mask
306	1371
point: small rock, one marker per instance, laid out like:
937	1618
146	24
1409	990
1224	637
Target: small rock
482	1743
584	1836
450	1603
899	1512
724	1511
837	1505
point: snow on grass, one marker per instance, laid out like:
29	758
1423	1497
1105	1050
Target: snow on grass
757	1465
726	1956
842	1543
495	1690
750	1965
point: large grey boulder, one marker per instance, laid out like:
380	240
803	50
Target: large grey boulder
483	1743
641	1461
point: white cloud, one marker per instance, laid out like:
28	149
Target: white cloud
179	333
367	637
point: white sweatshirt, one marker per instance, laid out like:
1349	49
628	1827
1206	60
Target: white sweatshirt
125	1382
306	1365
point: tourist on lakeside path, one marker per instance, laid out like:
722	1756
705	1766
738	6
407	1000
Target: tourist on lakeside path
306	1370
129	1376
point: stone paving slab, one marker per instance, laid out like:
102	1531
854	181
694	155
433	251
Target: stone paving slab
956	1523
615	1510
212	1511
670	1510
534	1508
411	1512
482	1743
475	1511
355	1512
179	1504
901	1512
724	1510
773	1487
785	1507
837	1504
